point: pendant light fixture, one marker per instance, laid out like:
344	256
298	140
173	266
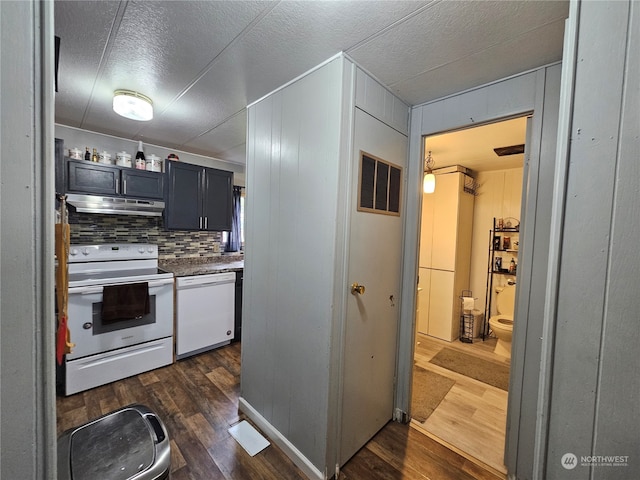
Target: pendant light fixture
429	181
132	105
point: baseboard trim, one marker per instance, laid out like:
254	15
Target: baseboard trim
276	437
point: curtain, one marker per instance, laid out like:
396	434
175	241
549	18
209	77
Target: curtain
233	239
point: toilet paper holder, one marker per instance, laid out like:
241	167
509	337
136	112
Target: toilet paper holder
467	318
468	300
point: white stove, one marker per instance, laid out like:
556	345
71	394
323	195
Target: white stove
108	350
114	263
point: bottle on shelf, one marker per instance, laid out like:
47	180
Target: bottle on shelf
512	266
141	162
94	155
87	154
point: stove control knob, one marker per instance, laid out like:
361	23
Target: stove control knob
73	252
150	249
85	251
141	249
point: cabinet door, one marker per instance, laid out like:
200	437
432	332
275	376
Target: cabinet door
142	184
217	199
183	199
426	229
441	305
445	221
59	158
89	177
424	292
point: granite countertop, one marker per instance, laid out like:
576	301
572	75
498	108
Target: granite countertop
184	267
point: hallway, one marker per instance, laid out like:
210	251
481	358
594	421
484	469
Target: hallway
197	398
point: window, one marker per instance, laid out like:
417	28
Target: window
225	235
379	187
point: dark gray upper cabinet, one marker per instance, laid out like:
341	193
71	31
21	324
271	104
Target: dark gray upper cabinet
99	179
198	198
59	158
88	177
217	198
182	206
142	184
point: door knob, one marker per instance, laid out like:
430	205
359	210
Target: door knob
355	288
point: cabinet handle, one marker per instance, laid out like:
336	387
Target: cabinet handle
206	222
124	187
200	223
117	187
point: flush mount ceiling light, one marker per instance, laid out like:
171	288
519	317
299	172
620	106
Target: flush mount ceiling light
429	181
132	105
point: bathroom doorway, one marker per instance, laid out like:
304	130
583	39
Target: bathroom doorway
460	388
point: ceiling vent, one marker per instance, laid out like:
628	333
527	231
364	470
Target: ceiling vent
511	150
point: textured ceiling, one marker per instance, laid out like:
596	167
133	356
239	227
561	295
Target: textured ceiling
473	147
202	62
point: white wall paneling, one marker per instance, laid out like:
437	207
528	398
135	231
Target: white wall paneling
27	319
299	201
499	196
380	103
596	336
292	173
535	91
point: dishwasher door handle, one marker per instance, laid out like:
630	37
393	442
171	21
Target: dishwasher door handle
198	285
206	280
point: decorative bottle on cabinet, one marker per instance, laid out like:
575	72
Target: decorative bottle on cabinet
141	162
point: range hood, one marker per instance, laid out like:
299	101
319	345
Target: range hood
115	205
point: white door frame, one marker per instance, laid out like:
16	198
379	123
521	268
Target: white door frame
535	91
27	327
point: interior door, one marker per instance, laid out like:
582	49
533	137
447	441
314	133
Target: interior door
375	244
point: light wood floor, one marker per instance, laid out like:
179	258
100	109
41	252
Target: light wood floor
471	418
197	398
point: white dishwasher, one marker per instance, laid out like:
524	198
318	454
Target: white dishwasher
205	312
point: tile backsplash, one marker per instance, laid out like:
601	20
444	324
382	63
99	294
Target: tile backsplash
89	228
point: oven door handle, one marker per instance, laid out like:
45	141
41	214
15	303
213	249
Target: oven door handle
98	288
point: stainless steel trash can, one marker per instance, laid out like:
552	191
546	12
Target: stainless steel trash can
131	443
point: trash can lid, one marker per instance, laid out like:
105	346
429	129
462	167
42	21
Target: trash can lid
115	447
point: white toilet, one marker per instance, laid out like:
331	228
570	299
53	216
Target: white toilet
502	323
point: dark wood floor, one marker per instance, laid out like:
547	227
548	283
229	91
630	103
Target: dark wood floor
197	398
